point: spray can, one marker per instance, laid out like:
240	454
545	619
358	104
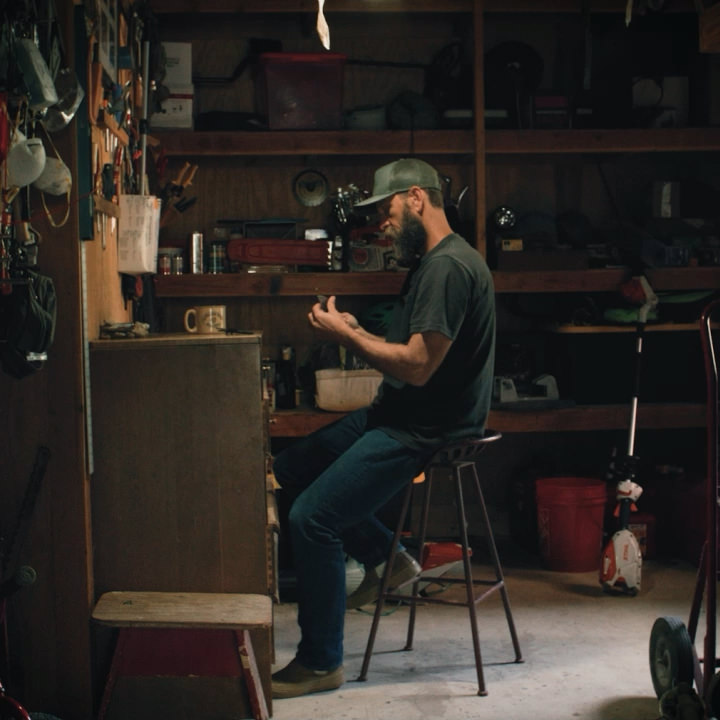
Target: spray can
196	253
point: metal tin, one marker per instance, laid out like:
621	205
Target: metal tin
196	253
170	261
164	263
217	257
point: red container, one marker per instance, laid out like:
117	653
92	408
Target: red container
301	91
570	522
435	554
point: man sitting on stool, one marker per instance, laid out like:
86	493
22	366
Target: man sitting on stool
437	362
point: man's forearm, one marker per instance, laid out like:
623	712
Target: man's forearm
408	362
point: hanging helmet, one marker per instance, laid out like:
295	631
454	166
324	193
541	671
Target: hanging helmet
25	161
55	177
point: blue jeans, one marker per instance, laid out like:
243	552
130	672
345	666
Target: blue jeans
337	479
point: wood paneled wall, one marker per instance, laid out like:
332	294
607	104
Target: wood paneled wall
252	188
49	622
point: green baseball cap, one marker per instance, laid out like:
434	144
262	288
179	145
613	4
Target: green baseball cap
399	176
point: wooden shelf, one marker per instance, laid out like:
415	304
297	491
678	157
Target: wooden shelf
314	142
281	284
390	283
655	416
636	140
300	422
690	278
629	328
605	280
651	416
392	6
310	6
572	6
433	142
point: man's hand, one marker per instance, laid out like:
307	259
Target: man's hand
330	321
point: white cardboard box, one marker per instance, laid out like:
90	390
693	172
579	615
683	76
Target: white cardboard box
178	64
345	390
177	110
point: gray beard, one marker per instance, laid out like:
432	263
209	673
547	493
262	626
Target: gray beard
409	243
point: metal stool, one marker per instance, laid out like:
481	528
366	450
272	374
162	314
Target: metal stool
453	458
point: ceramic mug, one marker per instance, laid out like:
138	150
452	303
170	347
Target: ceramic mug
205	319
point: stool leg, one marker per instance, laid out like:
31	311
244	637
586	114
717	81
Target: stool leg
498	568
251	675
469	586
422	536
113	673
380	604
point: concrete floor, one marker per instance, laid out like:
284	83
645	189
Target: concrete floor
585	653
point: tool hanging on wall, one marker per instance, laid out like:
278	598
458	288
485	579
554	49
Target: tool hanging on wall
144	117
172	196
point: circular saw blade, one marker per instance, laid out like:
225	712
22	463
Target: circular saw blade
310	188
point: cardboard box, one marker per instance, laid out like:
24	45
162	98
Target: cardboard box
178	64
177	110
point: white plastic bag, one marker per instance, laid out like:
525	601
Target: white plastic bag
138	231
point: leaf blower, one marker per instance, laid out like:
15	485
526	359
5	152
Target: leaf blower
621	565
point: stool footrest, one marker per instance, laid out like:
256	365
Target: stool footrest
423	599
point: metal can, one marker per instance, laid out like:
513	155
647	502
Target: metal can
164	263
196	253
177	267
217	257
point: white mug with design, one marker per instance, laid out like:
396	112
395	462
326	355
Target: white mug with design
205	319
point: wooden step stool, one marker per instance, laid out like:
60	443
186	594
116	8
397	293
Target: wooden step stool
137	613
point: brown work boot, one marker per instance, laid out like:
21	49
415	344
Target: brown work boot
295	680
404	569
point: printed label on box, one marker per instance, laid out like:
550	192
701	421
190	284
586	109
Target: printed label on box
178	64
177	110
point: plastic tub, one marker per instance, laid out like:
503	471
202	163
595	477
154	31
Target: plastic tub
345	390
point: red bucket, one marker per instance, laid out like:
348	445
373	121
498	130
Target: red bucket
570	522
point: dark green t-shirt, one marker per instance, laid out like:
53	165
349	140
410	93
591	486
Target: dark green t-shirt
450	292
